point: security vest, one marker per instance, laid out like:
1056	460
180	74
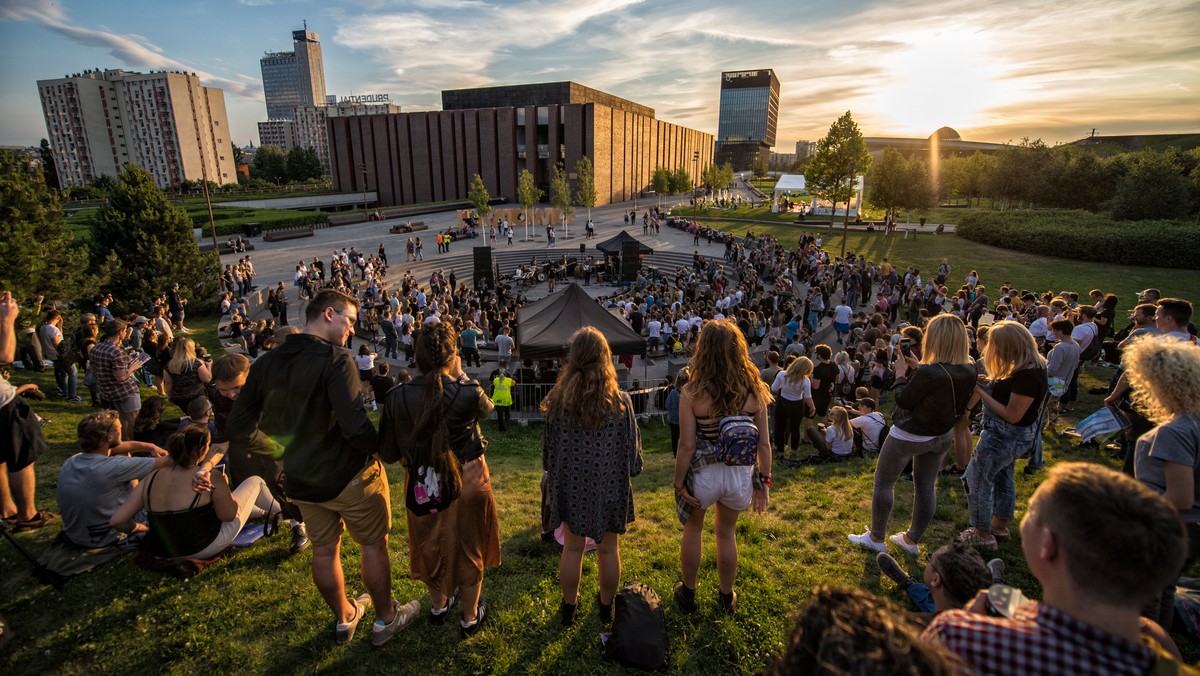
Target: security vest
502	390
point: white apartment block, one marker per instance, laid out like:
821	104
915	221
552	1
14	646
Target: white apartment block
165	122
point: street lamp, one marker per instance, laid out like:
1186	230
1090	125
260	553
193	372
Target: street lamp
695	171
363	166
846	220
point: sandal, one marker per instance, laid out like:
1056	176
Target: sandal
972	536
39	520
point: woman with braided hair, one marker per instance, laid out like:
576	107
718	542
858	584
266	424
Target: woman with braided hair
433	423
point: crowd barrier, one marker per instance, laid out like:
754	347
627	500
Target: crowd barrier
649	400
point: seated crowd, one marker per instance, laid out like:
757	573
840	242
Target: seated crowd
190	487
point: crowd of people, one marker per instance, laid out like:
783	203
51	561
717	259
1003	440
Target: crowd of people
283	430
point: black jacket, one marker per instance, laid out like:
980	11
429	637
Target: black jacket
933	398
305	395
466	404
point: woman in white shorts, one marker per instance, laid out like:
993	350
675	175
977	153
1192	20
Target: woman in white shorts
725	383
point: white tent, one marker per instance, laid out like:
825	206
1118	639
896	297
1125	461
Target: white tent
789	185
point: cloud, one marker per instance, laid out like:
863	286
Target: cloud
131	51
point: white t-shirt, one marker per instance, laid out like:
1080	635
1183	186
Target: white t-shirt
1040	328
365	362
50	336
1084	333
682	326
791	391
838	446
870	424
504	346
841	314
654	328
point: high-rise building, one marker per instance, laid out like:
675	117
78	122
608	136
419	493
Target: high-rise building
748	117
280	133
295	78
164	122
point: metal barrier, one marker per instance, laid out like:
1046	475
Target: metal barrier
649	400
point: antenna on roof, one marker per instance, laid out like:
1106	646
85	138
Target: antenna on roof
1093	132
305	25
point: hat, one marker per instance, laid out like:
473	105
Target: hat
868	402
199	407
141	320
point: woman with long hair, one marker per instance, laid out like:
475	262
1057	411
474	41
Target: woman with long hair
432	424
184	376
724	383
927	406
794	403
1011	403
591	447
185	524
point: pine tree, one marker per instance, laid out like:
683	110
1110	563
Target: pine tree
49	167
149	243
39	255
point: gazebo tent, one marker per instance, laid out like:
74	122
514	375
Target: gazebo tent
613	246
790	186
544	327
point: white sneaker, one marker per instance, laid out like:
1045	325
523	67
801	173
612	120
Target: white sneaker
864	540
901	541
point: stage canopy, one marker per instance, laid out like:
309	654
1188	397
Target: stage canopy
544	327
613	246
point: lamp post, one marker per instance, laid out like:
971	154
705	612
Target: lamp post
695	170
846	220
363	166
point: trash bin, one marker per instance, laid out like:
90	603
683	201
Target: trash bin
252	229
922	222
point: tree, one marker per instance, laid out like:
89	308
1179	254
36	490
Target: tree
149	243
886	182
49	168
585	194
1154	188
236	153
759	168
726	175
528	194
301	164
479	198
681	182
920	193
841	156
560	191
40	256
104	183
269	165
711	177
661	182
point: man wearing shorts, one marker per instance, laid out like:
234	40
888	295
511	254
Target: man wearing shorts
305	395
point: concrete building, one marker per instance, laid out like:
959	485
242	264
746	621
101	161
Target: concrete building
295	78
748	118
280	133
498	131
944	142
310	127
164	122
805	149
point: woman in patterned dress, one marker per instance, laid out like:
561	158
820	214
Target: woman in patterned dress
591	449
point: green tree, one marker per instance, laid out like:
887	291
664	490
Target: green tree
49	167
479	198
104	183
759	168
40	256
920	193
711	177
681	182
236	153
528	194
841	156
886	184
1154	188
585	194
149	243
269	165
560	191
302	164
660	181
725	177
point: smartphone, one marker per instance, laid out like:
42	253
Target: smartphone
1003	600
906	347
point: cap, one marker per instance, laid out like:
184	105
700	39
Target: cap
141	320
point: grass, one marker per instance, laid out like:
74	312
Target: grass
995	265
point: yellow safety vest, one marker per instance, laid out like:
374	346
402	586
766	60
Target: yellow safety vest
502	391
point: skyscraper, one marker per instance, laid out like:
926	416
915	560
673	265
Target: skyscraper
164	122
749	115
291	79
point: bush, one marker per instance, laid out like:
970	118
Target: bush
231	229
1085	236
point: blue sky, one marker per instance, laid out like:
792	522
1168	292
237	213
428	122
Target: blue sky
998	71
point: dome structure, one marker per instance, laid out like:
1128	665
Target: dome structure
945	134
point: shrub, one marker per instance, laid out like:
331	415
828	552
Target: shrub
1081	235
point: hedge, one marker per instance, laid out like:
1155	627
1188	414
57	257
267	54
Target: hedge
230	229
1086	236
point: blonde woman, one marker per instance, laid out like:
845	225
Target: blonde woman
837	442
794	389
185	376
724	383
927	405
591	448
1011	402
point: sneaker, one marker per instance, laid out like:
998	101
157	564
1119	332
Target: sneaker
685	597
728	601
890	567
864	540
469	630
382	632
345	630
974	537
901	541
40	520
996	566
75	400
439	616
299	539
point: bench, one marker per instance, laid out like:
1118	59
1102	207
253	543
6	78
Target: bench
405	228
345	219
289	233
224	248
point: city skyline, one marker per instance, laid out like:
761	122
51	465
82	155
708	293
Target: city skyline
994	73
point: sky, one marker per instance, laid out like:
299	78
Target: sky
994	71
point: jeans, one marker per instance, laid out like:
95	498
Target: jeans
988	478
922	597
67	378
927	458
1035	456
389	348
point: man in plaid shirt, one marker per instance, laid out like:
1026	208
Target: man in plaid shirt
1102	545
114	370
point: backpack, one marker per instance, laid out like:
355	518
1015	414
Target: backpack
639	629
68	350
846	386
737	441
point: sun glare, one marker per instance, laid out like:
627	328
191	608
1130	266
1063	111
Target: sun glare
943	78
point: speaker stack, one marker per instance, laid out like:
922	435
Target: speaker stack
483	266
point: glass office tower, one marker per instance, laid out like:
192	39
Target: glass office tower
748	118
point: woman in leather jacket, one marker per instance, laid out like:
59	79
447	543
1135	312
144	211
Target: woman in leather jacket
931	394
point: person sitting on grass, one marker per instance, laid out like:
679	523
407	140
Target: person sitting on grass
954	575
185	523
834	442
199	412
93	484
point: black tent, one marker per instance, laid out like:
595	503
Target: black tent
544	327
613	246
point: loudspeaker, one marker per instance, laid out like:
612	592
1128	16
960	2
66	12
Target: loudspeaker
631	261
582	250
483	266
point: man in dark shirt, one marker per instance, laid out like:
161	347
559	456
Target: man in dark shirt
305	395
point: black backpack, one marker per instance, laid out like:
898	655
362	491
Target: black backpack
639	630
